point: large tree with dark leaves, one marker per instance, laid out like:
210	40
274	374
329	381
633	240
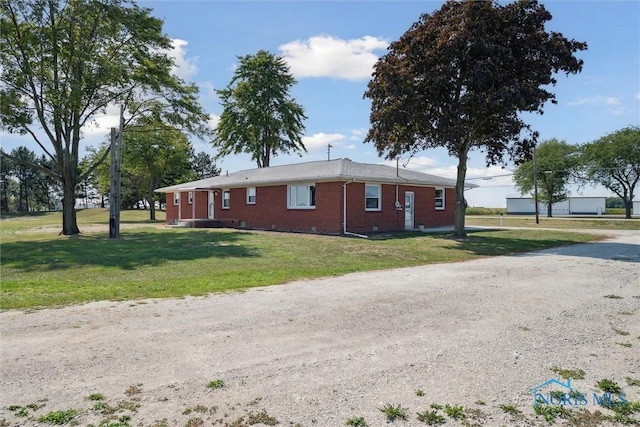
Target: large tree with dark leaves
65	62
460	78
260	117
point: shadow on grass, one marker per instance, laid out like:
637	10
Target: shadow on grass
7	215
132	250
487	243
615	251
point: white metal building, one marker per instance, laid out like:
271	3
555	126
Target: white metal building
636	207
570	206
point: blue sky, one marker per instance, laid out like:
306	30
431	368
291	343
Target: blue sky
332	45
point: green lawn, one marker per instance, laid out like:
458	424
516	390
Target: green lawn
604	223
42	269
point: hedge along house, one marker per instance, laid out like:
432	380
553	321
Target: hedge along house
330	197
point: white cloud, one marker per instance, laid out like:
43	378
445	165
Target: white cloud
318	140
613	101
184	67
579	102
358	134
213	121
327	56
637	96
207	89
102	123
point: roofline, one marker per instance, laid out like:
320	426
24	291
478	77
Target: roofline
401	181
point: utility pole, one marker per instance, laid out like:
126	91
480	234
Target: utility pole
329	146
116	174
535	184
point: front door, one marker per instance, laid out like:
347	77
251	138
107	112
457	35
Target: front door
408	210
211	205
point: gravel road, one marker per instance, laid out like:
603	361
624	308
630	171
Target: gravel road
479	334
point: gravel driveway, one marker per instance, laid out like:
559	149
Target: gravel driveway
479	334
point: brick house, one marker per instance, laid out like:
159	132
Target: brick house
332	197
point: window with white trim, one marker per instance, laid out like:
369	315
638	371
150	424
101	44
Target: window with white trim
372	197
176	199
226	199
440	198
190	198
301	196
251	195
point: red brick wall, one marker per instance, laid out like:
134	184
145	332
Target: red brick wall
200	205
270	210
389	218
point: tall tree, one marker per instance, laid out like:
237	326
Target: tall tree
460	77
65	62
26	176
259	115
152	156
556	163
8	184
203	166
613	161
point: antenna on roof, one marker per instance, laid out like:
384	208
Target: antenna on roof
329	146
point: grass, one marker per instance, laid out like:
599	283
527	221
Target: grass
569	374
608	386
394	412
42	269
560	223
455	412
620	332
215	384
357	422
59	417
510	409
431	418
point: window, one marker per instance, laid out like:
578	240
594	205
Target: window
226	199
301	197
176	199
251	195
190	197
440	198
372	196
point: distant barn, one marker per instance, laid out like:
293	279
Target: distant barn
570	206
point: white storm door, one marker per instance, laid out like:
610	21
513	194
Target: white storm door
408	210
211	205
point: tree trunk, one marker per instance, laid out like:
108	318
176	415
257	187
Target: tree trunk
69	221
549	210
152	205
461	206
628	203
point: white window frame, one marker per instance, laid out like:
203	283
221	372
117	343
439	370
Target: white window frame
176	198
251	194
226	199
190	197
439	208
292	198
379	198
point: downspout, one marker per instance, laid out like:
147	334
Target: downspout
193	205
179	205
344	213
